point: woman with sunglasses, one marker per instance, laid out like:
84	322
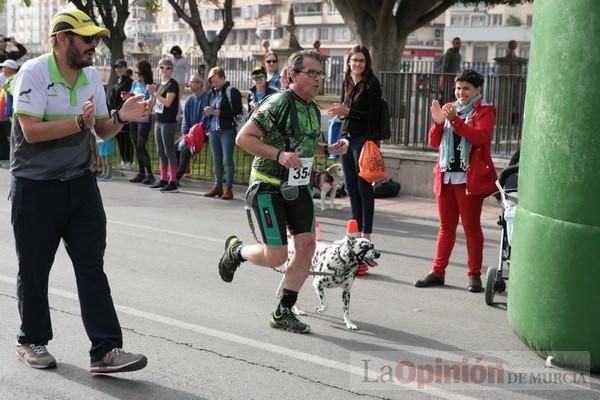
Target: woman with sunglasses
272	63
140	130
165	113
359	109
260	90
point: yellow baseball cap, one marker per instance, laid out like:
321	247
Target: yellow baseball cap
75	21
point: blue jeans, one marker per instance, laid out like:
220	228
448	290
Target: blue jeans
221	145
360	191
43	213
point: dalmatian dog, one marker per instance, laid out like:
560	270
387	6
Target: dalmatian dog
327	183
335	265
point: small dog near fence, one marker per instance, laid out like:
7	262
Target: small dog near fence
327	183
335	265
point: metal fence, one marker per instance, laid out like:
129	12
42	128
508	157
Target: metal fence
435	66
409	96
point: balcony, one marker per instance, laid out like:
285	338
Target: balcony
488	34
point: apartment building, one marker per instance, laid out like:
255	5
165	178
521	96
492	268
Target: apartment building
486	31
29	25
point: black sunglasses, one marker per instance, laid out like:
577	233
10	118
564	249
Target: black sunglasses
271	61
86	39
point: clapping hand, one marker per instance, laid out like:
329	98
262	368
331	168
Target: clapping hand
89	113
135	108
449	111
437	113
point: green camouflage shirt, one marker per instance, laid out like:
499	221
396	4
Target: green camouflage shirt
272	118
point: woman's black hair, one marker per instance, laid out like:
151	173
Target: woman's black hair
145	70
471	76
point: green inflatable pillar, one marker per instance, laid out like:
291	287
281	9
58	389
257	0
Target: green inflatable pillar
554	289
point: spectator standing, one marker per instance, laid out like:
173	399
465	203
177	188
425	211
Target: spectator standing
224	104
9	69
272	65
11	55
359	111
106	150
55	197
283	78
193	112
139	129
166	107
260	90
116	96
463	176
450	67
181	68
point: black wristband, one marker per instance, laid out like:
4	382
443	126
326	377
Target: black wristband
278	154
117	117
325	150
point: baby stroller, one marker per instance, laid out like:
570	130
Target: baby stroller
496	276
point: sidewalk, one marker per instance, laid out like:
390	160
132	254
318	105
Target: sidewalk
404	205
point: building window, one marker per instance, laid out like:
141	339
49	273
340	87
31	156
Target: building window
459	20
341	35
306	9
236	12
249	12
501	49
529	20
496	20
480	54
479	20
324	34
524	51
309	34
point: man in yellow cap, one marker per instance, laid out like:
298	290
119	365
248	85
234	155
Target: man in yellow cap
58	99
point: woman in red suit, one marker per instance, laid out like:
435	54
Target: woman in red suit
463	176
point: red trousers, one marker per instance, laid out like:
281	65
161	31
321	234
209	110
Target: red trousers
452	203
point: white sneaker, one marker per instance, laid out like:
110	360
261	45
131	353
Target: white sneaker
128	166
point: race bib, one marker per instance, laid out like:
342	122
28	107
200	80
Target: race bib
158	107
300	176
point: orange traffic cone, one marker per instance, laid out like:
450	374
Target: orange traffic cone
352	228
317	230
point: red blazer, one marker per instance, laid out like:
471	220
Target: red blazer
481	173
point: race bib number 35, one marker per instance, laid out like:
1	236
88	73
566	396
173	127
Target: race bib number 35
300	176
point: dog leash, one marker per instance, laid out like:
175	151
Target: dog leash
311	272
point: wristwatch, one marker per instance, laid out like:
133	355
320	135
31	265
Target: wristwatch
116	117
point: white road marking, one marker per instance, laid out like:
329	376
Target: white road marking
223	335
168	231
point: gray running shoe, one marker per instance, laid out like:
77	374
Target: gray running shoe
231	259
118	360
35	356
288	322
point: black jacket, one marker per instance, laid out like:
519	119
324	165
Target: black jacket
122	84
13	55
252	95
229	107
364	109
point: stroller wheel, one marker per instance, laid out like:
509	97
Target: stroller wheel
499	286
490	283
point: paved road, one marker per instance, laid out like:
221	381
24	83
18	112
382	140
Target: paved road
209	340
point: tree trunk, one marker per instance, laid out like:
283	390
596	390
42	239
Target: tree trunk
384	25
191	16
116	52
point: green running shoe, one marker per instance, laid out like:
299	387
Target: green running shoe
288	321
